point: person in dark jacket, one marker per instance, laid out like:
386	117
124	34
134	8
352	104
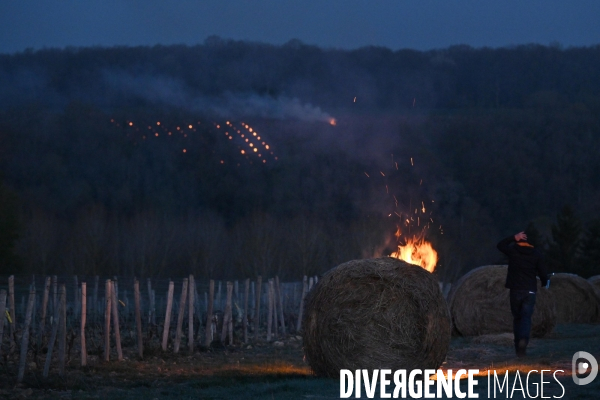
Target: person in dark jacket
525	263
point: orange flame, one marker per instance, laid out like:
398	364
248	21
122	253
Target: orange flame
417	251
333	122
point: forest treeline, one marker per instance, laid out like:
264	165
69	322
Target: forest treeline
132	160
381	80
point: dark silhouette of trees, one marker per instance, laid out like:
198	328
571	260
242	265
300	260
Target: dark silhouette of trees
564	248
590	250
9	230
455	78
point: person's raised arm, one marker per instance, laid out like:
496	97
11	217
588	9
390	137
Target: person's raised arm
504	243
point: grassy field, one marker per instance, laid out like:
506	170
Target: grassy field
277	371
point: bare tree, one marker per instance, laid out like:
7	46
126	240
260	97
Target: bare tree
257	246
39	243
151	239
305	248
90	238
205	244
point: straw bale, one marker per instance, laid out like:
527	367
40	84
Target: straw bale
373	314
576	300
480	304
595	281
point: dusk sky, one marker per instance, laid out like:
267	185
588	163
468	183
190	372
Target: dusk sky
397	24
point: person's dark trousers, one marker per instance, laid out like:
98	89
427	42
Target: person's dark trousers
522	303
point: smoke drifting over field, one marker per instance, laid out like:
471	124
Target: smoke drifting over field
254	105
172	92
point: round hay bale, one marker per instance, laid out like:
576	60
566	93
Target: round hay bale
576	300
480	304
595	282
373	314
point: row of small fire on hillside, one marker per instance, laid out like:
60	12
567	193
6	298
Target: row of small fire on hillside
248	141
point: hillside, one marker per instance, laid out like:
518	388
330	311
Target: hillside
132	160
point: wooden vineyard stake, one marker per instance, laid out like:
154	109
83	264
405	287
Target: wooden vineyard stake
252	297
11	310
2	316
294	293
201	320
219	302
62	331
75	295
115	318
275	308
180	315
153	307
115	286
304	290
279	301
44	310
149	284
52	339
138	317
167	324
198	311
223	334
269	289
209	313
55	304
245	316
32	333
25	336
257	306
107	310
236	292
227	320
230	287
83	321
95	298
55	298
191	300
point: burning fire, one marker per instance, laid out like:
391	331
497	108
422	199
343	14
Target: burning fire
332	122
417	251
250	138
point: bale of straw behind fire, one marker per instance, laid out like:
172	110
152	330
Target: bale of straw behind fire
375	313
480	304
595	282
575	299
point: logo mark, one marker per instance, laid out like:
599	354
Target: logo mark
581	367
